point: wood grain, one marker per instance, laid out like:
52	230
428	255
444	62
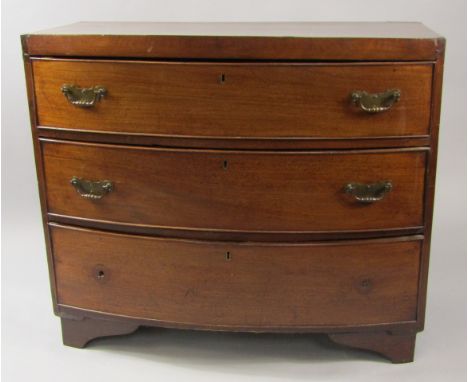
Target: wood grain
256	285
404	30
398	347
79	332
430	181
218	235
253	101
232	143
286	87
40	174
251	41
236	190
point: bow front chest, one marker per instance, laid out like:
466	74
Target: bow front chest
261	177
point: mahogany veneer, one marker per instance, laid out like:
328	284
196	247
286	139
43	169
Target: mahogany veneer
247	100
245	191
264	177
269	286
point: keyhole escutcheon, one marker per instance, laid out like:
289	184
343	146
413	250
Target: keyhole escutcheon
222	78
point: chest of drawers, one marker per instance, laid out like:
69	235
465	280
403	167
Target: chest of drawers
267	177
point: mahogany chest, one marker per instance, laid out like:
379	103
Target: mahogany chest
261	177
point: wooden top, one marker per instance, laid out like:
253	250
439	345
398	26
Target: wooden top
263	29
271	41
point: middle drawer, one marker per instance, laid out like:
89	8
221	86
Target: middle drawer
236	190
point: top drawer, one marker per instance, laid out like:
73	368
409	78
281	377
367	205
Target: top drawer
235	100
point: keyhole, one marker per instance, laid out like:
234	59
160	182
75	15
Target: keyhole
365	283
101	273
225	164
222	78
228	256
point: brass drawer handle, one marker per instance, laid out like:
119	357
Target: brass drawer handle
375	102
83	97
91	190
369	193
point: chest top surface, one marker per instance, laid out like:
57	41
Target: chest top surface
353	41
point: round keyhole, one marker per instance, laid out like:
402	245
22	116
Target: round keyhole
228	256
225	164
101	273
222	78
365	285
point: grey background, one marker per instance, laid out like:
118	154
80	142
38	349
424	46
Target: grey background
31	341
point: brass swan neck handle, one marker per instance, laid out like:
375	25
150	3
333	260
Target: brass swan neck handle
375	102
368	193
91	189
83	97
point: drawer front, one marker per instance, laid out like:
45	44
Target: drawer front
237	191
256	285
236	100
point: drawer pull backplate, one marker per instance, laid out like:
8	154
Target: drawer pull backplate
83	97
91	190
369	193
375	102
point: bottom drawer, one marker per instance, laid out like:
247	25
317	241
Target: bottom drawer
243	285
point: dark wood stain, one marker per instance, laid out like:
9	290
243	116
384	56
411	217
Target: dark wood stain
260	100
229	152
259	191
263	284
253	41
273	143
